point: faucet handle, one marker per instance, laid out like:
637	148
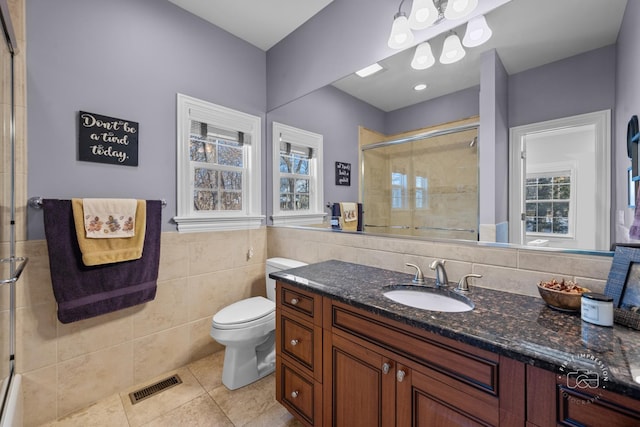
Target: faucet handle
463	284
419	277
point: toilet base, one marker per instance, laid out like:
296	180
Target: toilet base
247	364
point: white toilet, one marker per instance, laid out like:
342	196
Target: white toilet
247	329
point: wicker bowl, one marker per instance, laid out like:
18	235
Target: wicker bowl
562	300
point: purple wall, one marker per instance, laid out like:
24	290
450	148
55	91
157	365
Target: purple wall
328	47
627	104
448	108
335	115
580	84
125	59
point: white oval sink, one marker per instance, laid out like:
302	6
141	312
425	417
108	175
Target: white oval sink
430	299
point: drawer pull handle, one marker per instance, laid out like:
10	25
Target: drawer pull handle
294	342
400	375
294	301
385	368
294	394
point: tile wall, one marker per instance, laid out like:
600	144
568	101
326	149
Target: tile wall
510	270
69	366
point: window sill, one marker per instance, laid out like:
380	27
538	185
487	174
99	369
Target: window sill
192	224
298	219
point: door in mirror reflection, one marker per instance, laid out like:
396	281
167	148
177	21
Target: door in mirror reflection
560	196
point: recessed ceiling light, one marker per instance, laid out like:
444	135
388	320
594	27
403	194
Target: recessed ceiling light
421	86
371	69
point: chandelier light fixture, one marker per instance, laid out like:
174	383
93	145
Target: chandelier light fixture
425	13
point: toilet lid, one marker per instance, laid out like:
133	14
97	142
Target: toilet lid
244	311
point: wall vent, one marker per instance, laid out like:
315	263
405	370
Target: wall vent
153	389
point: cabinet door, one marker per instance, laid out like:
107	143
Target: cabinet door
359	384
433	400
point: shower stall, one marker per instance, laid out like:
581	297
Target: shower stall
11	266
423	185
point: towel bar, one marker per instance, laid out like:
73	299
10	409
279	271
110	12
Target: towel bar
36	202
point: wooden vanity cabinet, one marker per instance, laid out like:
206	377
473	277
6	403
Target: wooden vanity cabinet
299	353
555	401
378	372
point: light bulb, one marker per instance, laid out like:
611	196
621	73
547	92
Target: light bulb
452	50
477	33
459	8
423	57
401	35
423	14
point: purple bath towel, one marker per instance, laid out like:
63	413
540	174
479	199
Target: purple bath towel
83	292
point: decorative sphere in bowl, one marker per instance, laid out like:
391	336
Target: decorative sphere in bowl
563	295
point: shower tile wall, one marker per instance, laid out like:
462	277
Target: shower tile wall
16	9
67	367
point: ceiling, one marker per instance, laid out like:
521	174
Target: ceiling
526	34
263	23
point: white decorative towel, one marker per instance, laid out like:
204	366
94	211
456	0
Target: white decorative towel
349	211
109	218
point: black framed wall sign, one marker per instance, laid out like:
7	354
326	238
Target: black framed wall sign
105	139
343	173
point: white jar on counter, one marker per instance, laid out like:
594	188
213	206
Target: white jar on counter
597	308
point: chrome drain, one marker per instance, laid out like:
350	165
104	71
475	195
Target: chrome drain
153	389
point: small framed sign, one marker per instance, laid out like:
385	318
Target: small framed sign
104	139
343	173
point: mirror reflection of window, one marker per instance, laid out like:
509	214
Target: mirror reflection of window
422	192
548	201
398	190
294	177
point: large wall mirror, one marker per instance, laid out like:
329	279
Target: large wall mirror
558	60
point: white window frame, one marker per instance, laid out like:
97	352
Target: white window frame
188	218
551	169
300	138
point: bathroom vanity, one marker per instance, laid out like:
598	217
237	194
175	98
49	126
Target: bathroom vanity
348	356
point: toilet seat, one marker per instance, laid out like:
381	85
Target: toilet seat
245	313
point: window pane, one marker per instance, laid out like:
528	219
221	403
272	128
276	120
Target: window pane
561	225
532	209
286	185
231	201
562	191
285	163
231	180
229	156
286	202
302	202
300	164
544	210
205	178
544	225
544	180
532	224
205	200
532	192
302	186
544	192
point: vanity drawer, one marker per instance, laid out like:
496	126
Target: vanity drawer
302	396
303	303
297	341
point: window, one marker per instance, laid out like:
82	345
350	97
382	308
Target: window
399	190
297	176
548	203
218	167
422	192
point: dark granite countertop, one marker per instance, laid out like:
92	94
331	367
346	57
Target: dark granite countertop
517	326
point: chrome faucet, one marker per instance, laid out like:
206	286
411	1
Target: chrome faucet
419	277
441	273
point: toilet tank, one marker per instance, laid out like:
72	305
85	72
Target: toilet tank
278	264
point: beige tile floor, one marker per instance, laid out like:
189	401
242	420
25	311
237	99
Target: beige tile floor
201	400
